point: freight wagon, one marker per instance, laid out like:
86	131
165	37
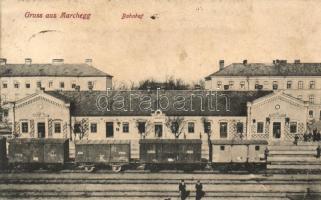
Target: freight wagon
239	154
171	153
94	153
38	152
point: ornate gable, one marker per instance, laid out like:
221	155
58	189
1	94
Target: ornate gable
41	97
280	96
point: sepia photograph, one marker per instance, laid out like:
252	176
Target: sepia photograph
164	100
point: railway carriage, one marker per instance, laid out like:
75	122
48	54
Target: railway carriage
94	153
239	154
38	152
177	153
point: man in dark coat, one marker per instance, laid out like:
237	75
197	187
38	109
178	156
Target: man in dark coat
314	135
199	190
182	189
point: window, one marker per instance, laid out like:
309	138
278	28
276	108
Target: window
207	127
311	98
27	85
312	84
158	130
16	85
275	85
4	85
125	127
310	113
293	127
62	84
231	84
90	85
191	127
260	127
258	86
141	127
50	84
77	128
289	84
24	127
222	148
219	84
38	84
239	127
242	84
5	113
73	85
57	127
257	148
93	127
300	84
223	129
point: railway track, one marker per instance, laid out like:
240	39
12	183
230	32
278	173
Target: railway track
154	185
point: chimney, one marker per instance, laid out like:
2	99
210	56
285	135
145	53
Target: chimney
221	64
58	61
283	61
3	61
89	61
297	61
28	61
244	62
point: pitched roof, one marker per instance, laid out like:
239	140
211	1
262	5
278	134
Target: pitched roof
65	70
145	103
270	69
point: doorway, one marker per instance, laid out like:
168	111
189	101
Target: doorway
41	127
277	130
109	129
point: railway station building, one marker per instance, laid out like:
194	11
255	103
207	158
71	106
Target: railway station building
123	115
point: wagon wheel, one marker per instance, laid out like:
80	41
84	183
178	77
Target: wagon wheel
89	168
116	168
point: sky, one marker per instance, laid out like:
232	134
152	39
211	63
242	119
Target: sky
186	39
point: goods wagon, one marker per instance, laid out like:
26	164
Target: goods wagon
238	154
93	153
3	152
38	152
184	153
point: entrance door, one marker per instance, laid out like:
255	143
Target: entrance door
277	130
41	127
109	129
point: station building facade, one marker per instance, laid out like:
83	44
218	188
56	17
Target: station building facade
133	115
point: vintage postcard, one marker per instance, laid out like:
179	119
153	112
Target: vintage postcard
165	100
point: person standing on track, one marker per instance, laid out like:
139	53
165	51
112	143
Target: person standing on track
199	190
182	190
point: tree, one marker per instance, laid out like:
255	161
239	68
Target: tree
176	124
80	128
169	84
208	132
144	127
